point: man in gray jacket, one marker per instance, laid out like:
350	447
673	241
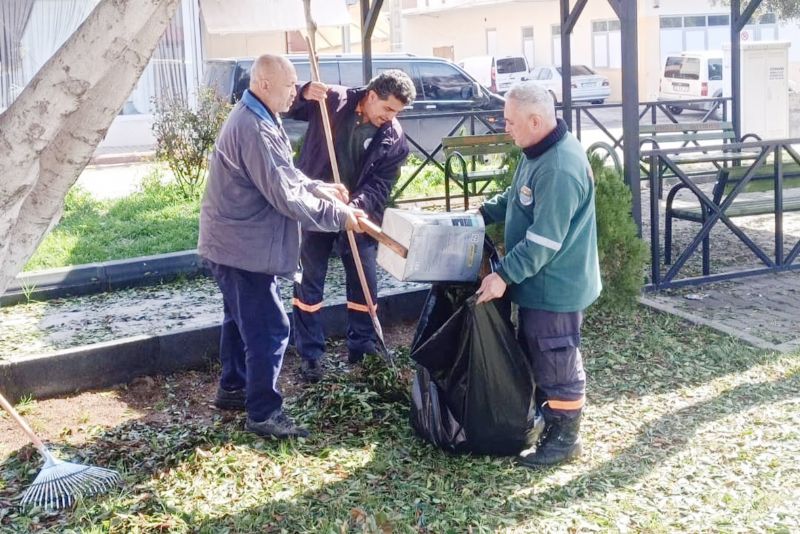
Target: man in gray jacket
254	206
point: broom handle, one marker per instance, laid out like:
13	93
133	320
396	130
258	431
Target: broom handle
326	125
23	425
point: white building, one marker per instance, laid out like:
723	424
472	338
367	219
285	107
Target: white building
31	31
35	29
531	27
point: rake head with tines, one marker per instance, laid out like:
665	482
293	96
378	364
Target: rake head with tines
59	483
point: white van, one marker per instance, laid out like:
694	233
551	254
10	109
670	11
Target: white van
691	76
496	73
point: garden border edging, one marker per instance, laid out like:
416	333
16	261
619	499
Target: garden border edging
120	361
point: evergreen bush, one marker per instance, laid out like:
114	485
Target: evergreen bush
622	253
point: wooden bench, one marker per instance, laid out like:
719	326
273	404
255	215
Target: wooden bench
757	198
682	134
467	176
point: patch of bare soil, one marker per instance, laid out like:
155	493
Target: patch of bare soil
76	419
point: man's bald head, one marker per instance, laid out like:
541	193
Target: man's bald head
273	80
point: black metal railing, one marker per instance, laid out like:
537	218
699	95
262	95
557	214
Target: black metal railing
655	112
759	152
472	122
468	122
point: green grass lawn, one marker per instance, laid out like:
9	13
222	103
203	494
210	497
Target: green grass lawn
155	220
686	430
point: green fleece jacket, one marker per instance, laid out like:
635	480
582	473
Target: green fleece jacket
550	234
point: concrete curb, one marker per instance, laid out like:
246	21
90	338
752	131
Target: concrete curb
98	277
715	325
106	364
122	158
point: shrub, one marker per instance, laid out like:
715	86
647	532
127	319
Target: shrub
185	137
622	253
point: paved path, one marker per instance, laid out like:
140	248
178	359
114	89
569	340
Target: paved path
761	310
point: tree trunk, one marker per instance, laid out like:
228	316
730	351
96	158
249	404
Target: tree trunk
48	135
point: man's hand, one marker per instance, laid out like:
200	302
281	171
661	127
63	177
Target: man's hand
492	287
339	191
354	215
315	91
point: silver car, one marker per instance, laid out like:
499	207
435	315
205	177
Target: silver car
587	85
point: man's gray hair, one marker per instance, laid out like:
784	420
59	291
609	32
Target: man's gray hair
265	66
534	96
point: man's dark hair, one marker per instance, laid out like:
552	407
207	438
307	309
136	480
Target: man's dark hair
394	83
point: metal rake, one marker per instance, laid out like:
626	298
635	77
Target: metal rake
59	483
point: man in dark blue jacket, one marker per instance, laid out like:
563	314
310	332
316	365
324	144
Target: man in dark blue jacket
370	149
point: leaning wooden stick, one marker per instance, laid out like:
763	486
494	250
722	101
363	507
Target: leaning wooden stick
326	125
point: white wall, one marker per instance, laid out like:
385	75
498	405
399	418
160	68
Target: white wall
465	30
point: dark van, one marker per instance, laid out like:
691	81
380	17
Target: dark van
441	87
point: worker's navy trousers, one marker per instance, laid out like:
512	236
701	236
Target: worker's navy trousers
255	333
315	251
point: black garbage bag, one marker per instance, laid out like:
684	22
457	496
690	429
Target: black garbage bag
473	390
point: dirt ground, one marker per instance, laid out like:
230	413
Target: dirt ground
75	419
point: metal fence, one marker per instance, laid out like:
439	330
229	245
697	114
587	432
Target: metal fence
763	155
585	117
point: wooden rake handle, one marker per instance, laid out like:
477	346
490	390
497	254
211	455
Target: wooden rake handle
23	424
326	125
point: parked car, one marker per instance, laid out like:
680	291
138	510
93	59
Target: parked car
441	87
497	74
587	85
691	76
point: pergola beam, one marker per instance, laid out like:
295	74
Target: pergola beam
627	12
369	16
738	21
573	17
568	20
742	19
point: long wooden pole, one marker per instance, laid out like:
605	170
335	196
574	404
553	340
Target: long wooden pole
326	125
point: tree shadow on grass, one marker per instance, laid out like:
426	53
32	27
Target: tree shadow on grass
363	469
408	485
645	352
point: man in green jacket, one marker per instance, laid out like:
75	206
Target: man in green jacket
551	268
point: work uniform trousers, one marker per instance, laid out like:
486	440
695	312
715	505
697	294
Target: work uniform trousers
254	336
316	248
552	340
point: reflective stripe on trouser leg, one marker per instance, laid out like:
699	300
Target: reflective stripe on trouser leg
360	330
552	342
309	336
255	306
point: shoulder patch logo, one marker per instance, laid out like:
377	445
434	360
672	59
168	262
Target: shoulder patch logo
525	195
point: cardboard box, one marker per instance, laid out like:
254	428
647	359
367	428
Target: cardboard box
442	247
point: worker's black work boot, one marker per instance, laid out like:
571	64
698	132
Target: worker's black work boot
560	442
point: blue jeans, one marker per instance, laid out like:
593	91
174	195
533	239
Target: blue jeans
316	248
255	333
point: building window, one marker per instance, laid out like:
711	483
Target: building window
606	44
709	32
556	40
527	45
491	41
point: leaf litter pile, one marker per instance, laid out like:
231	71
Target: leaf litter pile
41	327
685	430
